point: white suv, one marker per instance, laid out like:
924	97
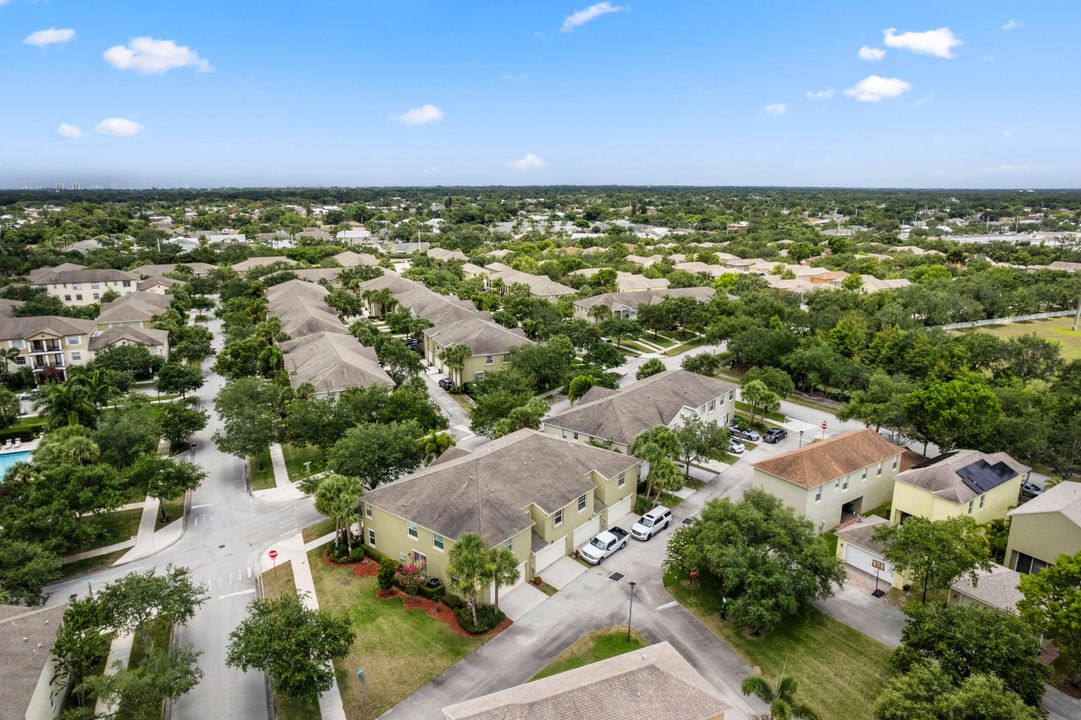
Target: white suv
652	523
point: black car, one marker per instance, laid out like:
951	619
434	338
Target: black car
775	435
446	384
1030	490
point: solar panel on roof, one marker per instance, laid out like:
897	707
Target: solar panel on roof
982	476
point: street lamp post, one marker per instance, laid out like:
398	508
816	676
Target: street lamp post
630	612
801	438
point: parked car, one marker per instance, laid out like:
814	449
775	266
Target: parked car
735	446
1031	490
30	394
446	384
604	544
775	435
651	523
746	434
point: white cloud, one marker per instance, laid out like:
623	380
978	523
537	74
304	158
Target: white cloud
939	43
776	109
875	88
52	36
1012	24
870	53
510	76
581	17
69	132
149	56
820	94
419	115
118	127
529	161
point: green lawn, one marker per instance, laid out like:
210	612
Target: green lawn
659	340
261	471
400	651
1057	329
776	416
174	510
882	511
637	347
599	645
840	670
318	530
89	565
295	457
684	347
118	526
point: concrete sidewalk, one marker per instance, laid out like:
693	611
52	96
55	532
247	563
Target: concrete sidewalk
119	655
284	489
295	551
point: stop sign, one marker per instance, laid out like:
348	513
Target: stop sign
273	554
823	424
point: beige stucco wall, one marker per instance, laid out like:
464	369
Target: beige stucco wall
48	700
917	501
70	293
472	365
75	350
871	492
1044	536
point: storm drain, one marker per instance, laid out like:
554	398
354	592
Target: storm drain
688	521
615	577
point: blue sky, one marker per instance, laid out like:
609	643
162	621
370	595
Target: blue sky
321	92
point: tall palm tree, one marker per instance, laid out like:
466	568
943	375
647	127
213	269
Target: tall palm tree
98	389
781	699
66	404
502	569
9	356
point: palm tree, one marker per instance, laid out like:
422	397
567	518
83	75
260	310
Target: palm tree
468	568
433	445
10	355
782	701
66	404
502	569
454	357
98	389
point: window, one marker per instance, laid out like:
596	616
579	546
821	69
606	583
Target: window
837	484
506	357
95	286
21	360
72	339
17	344
508	543
731	394
76	357
437	542
575	436
419	558
818	494
622	480
127	283
368	509
412	530
78	297
970	502
76	286
489	359
982	498
478	376
581	503
371	537
864	474
67	298
844	484
712	405
1029	565
895	461
97	296
557	519
879	470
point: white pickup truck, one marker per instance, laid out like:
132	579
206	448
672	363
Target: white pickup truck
604	544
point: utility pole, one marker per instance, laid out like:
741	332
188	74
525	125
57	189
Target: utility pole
1077	315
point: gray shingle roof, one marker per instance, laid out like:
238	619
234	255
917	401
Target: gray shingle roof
332	362
23	327
939	475
996	587
199	268
539	285
7	307
140	336
21	662
657	400
349	259
483	337
644	297
81	275
134	307
860	532
425	303
1064	498
489	490
258	262
654	683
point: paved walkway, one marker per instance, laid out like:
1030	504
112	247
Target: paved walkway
295	551
119	655
284	489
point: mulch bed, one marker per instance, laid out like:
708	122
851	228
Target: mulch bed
366	569
439	611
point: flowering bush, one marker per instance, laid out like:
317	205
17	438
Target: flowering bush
410	577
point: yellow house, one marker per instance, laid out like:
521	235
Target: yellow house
1044	528
963	482
537	495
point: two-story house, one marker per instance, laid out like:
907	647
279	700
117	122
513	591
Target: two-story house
501	277
137	310
605	416
46	344
625	304
1044	528
489	345
963	482
539	496
846	475
77	285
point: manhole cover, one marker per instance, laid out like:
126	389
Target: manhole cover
688	521
615	577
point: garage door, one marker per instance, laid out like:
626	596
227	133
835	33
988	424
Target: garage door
619	511
547	555
860	558
521	577
586	530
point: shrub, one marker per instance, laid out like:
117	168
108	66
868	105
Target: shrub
338	553
433	591
387	570
487	618
358	554
452	601
374	554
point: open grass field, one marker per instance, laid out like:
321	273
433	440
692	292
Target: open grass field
1058	329
599	645
400	650
840	671
261	471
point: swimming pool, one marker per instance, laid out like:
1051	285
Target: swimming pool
9	459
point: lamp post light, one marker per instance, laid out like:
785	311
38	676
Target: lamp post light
801	438
630	612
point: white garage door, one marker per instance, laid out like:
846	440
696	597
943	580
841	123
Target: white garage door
586	530
547	555
619	511
521	578
860	558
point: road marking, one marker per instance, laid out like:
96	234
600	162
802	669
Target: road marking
196	521
238	592
249	571
196	507
667	605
